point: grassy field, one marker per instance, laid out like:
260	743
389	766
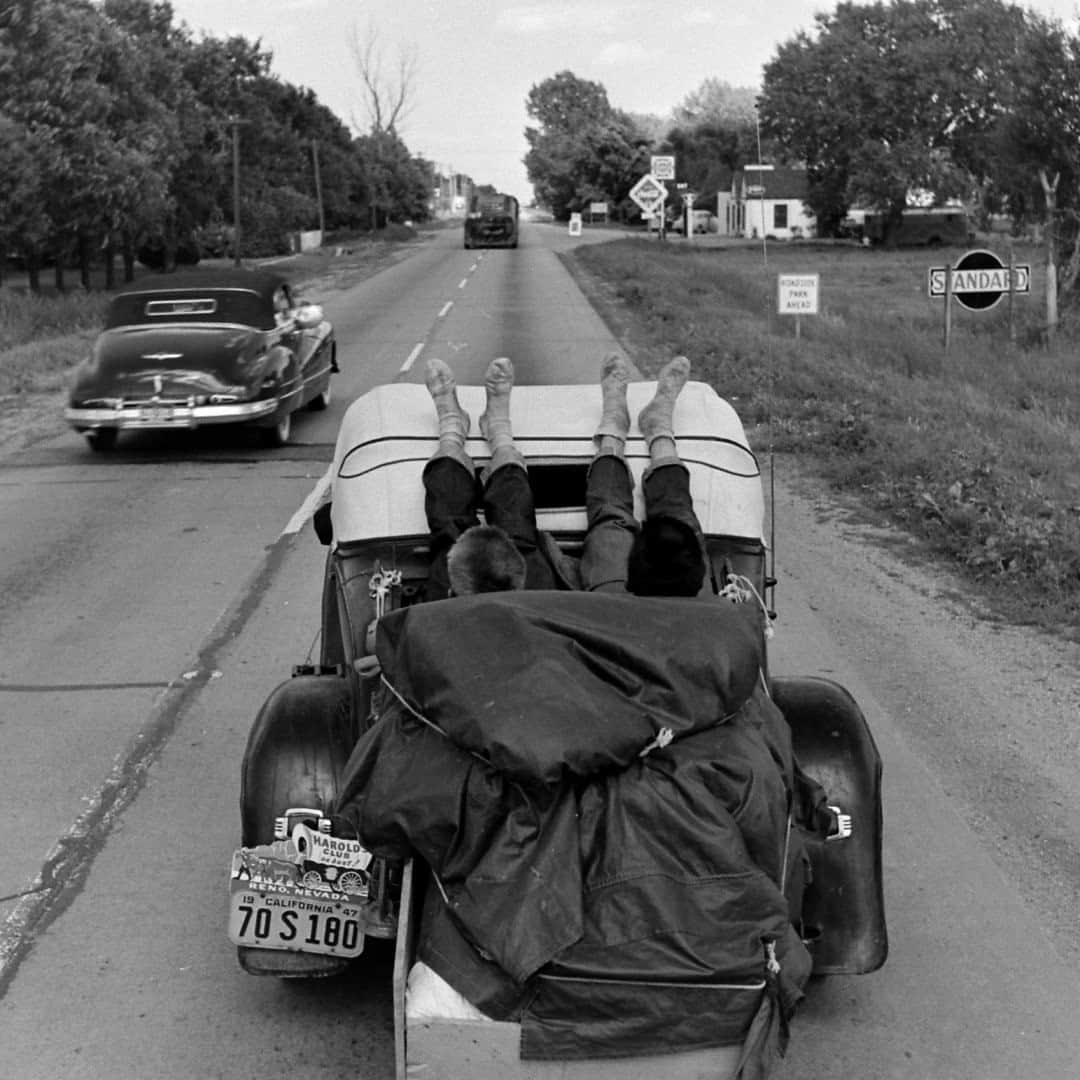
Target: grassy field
974	450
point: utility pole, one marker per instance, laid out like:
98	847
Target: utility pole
235	122
318	189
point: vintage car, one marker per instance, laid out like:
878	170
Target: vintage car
187	350
376	570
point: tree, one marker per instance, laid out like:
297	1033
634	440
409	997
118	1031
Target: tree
1034	165
719	104
887	98
583	149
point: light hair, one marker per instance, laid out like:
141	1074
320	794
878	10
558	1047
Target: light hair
484	559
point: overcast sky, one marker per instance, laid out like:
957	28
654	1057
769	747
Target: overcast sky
478	59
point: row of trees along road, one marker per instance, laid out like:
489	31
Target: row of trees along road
971	99
116	135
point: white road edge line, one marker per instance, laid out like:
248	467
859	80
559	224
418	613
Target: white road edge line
310	504
445	308
411	358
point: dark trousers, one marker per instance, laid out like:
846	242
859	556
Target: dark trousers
611	525
452	500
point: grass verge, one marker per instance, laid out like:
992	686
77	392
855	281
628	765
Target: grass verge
973	450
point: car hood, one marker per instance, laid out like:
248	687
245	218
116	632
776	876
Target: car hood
172	360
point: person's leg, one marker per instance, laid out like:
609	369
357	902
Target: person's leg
450	492
666	482
507	495
609	491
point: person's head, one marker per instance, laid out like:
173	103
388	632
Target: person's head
665	560
484	559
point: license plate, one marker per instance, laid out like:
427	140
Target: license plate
157	414
295	919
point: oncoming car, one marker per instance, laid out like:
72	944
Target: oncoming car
188	350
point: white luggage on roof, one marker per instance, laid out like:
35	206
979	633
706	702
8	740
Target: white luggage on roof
388	435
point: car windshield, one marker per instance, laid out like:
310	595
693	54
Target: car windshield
211	305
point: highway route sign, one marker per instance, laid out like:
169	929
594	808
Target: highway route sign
979	280
662	166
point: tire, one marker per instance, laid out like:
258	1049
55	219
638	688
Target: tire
322	400
278	435
102	440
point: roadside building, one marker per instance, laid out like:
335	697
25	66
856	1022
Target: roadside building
766	200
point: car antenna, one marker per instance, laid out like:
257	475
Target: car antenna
770	575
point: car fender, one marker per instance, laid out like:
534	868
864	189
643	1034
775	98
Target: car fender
844	905
296	752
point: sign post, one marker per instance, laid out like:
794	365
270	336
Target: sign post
649	194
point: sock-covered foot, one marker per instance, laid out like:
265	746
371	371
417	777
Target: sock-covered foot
614	414
495	422
656	420
454	421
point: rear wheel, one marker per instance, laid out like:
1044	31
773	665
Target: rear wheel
102	439
321	401
278	435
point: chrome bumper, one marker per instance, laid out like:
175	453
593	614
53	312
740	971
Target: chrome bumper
169	416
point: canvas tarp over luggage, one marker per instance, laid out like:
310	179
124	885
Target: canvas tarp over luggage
616	893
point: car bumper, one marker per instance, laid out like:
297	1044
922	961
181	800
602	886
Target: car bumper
163	417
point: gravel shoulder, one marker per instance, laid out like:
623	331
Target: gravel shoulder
992	709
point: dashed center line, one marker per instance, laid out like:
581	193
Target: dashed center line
411	358
445	308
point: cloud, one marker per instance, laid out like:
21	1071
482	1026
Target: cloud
616	53
696	16
549	17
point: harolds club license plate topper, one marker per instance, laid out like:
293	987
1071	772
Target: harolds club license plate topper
303	894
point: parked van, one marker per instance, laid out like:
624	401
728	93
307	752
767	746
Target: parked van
921	228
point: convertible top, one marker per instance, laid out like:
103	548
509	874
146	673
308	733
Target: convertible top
388	435
256	280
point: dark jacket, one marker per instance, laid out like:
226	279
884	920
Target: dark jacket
616	892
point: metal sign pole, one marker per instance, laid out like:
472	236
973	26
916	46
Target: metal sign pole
948	306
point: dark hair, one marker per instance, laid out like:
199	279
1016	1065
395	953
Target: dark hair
666	559
484	559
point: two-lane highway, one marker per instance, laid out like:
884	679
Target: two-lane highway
149	602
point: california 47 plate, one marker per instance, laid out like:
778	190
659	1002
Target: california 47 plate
276	904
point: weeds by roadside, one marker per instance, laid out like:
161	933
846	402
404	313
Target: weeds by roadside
973	450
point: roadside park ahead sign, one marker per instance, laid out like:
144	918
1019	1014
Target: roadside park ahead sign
979	280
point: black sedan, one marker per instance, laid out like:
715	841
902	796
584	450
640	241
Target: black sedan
229	346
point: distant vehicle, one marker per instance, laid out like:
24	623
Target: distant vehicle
704	222
920	228
492	221
204	347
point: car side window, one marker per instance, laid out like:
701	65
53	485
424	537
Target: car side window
282	305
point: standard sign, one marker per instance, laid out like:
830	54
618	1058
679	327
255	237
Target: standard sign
798	294
979	280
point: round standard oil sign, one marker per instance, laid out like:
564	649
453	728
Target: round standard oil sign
979	280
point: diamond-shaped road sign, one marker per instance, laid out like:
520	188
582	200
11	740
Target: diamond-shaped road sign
648	193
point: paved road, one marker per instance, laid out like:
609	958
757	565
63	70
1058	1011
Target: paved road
148	604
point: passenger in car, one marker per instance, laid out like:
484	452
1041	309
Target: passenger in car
664	555
508	551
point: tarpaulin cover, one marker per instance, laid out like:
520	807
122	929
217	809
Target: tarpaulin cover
613	893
